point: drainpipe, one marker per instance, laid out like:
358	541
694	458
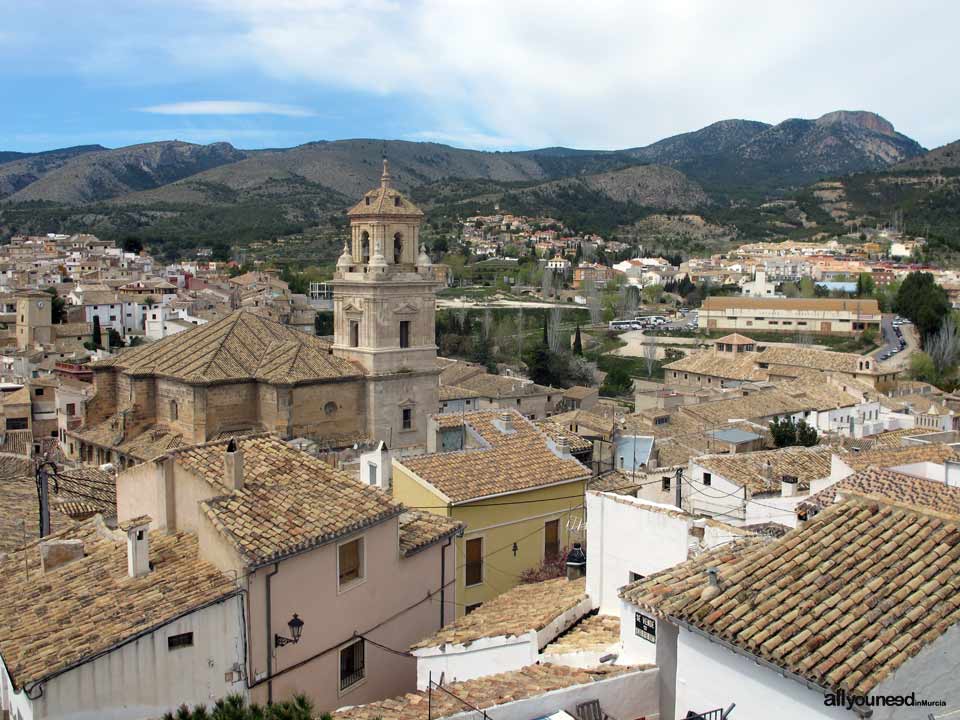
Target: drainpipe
276	569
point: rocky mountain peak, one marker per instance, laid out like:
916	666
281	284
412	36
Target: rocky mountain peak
858	118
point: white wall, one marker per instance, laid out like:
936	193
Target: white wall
487	656
622	697
626	534
709	676
721	499
635	650
932	674
144	678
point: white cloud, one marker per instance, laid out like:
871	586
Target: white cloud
227	107
611	73
464	138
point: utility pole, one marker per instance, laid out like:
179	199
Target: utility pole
678	476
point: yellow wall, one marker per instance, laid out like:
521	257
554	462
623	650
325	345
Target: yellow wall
500	526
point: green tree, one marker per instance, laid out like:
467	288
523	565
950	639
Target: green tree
922	301
922	368
577	343
784	432
114	339
97	338
132	244
808	288
806	434
617	382
58	309
865	285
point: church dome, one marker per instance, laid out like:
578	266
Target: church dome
385	201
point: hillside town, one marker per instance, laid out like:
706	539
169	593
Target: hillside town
208	497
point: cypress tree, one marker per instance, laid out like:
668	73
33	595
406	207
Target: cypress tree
577	343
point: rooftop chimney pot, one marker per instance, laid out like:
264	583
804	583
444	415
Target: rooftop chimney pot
233	466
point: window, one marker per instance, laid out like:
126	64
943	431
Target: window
352	664
408	418
180	641
645	627
71	409
707	478
470	608
350	562
38	392
551	539
330	408
404	333
474	564
665	482
174	410
16	423
635	576
354	333
372	473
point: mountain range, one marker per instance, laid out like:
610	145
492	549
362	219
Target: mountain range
173	187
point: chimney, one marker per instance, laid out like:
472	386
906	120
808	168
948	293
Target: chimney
138	545
713	586
54	553
233	466
560	447
767	470
788	485
576	562
504	422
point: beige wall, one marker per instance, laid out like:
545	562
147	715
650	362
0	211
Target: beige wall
835	322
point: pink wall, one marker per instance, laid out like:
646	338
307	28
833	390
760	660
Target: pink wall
307	585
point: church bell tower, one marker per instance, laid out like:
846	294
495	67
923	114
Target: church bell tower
384	301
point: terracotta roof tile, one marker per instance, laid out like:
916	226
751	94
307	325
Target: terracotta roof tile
484	692
891	485
290	500
419	530
508	462
86	607
903	455
594	632
760	472
519	610
827	600
240	346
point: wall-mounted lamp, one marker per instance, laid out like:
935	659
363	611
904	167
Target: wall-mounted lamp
515	549
296	630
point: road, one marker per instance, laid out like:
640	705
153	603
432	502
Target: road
900	360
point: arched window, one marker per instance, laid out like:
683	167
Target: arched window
365	246
397	248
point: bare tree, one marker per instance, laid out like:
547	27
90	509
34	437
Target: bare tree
593	302
943	346
547	283
487	324
629	301
554	331
650	353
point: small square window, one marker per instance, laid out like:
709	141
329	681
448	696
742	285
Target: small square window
665	482
180	641
350	562
707	478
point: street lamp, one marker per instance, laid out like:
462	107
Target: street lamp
296	630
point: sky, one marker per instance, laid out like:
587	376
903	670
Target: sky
484	74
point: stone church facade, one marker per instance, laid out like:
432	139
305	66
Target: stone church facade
377	381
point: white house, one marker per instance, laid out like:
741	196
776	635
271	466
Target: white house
161	321
759	286
757	487
824	616
116	624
